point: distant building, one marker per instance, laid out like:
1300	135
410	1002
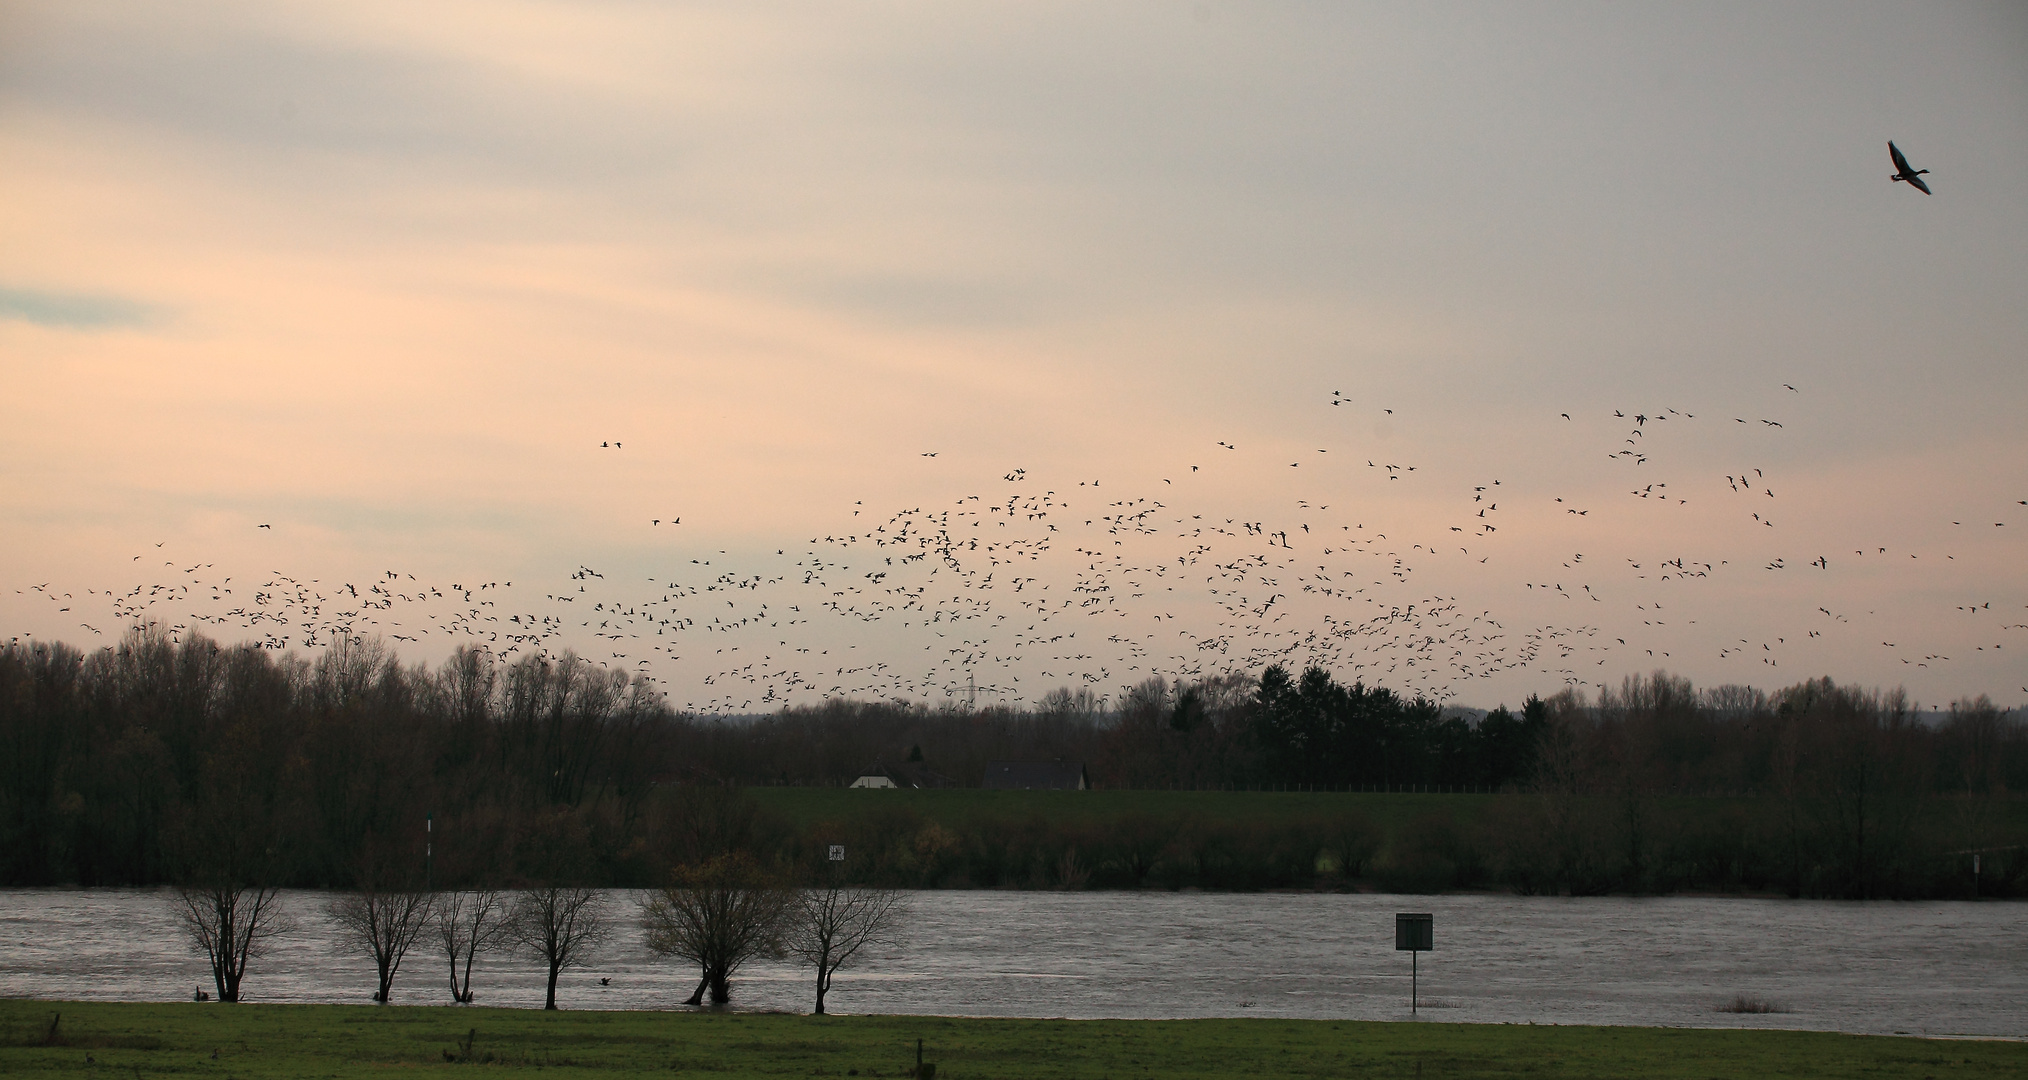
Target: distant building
907	775
1036	776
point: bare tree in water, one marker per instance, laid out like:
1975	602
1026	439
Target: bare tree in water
230	925
560	926
383	924
830	924
230	847
718	915
469	923
387	912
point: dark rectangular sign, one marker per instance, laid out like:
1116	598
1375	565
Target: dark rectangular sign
1414	933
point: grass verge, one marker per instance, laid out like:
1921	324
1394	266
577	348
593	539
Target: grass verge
962	808
257	1041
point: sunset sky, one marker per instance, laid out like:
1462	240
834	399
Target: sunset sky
329	291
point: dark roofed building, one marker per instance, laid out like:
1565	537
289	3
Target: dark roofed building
1036	776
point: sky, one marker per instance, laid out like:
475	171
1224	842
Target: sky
896	350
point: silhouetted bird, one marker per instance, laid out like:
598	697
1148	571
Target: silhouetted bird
1903	172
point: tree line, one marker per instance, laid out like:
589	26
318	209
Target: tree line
716	916
177	759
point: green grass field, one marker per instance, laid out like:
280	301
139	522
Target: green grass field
1393	841
803	806
956	807
254	1041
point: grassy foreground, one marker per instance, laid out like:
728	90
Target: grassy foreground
251	1041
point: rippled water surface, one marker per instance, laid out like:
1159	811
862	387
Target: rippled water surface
1924	968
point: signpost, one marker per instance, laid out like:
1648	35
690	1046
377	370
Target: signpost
1413	934
837	853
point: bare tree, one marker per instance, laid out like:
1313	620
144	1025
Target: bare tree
469	923
718	916
230	924
559	926
384	924
230	849
832	923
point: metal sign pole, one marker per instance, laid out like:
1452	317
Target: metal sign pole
1414	932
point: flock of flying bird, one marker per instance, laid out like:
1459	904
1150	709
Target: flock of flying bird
1034	587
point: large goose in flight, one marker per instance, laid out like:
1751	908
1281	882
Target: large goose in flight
1903	172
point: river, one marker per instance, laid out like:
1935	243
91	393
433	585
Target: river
1875	967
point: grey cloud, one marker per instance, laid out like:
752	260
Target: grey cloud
75	311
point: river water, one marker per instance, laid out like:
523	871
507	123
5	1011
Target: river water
1881	967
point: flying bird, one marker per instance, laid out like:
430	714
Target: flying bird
1903	172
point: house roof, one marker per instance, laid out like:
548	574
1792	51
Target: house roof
911	775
